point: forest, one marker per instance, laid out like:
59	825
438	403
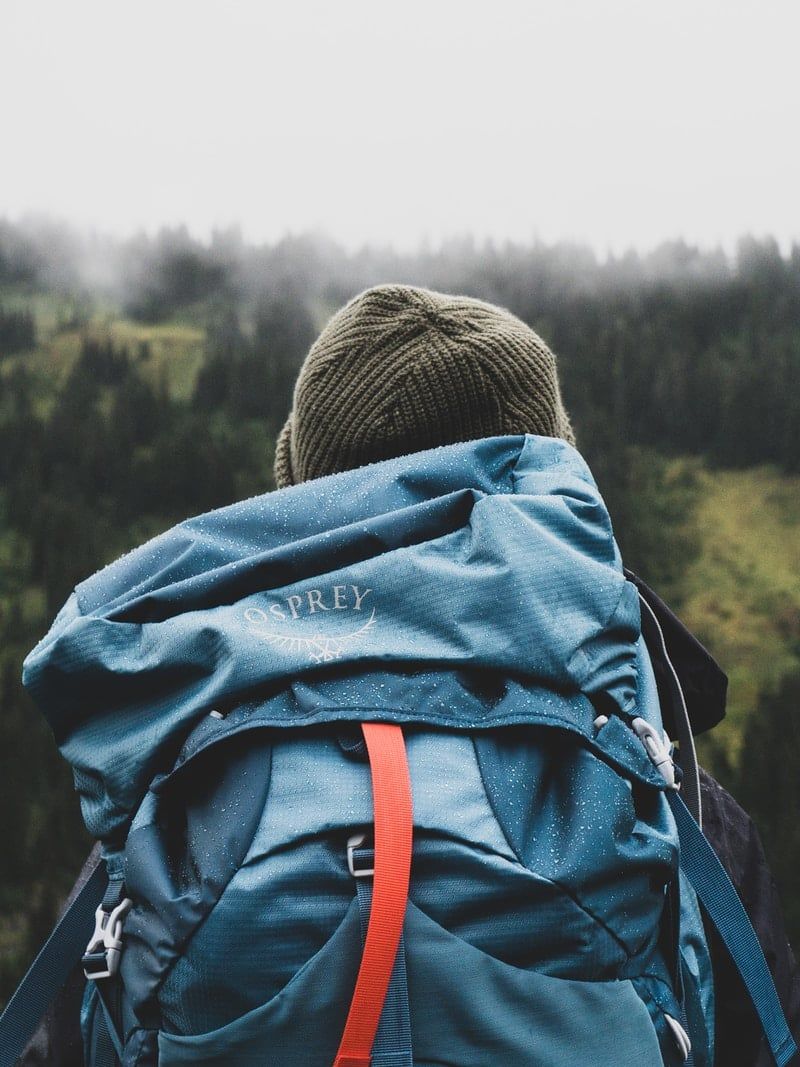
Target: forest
145	380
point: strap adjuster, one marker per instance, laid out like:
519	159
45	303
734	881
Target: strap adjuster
658	749
101	958
353	844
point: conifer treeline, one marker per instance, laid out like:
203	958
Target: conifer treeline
17	331
682	350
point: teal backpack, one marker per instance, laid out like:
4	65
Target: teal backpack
379	770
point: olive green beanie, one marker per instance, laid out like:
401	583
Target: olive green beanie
401	369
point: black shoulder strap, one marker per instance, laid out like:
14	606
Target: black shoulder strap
704	683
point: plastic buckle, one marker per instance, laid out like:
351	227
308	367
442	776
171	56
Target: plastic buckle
658	749
680	1035
353	843
101	958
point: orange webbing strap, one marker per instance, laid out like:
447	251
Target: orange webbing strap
391	800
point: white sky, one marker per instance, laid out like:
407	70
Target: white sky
613	122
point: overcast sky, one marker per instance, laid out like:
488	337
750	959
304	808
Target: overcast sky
616	123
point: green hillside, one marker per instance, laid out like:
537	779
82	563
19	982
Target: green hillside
169	353
741	594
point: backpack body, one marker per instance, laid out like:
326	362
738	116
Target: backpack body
535	930
208	690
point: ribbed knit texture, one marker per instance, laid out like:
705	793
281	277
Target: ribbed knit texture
401	369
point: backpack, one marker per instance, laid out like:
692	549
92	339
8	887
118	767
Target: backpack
379	769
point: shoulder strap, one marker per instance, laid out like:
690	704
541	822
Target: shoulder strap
690	786
723	907
704	683
51	969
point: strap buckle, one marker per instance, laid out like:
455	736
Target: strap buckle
101	958
353	843
680	1035
658	749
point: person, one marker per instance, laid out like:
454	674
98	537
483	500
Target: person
401	369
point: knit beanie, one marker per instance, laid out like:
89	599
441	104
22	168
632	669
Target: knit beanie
401	369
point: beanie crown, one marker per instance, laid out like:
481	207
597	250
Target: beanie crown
400	369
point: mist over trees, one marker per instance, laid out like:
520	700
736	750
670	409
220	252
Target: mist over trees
145	380
681	350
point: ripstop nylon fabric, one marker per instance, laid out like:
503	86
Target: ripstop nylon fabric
490	555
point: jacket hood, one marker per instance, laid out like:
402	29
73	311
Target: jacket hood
487	558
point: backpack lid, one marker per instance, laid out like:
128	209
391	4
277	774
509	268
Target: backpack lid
490	556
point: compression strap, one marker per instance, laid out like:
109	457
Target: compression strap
393	823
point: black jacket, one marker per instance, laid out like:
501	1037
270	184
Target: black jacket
735	839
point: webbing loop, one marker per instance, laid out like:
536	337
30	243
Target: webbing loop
393	826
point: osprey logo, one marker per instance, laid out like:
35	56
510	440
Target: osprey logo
287	623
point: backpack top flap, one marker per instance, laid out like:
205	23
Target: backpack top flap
488	556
